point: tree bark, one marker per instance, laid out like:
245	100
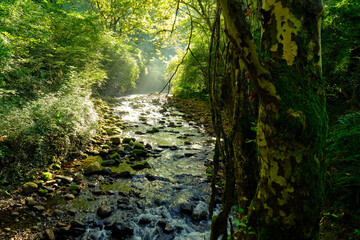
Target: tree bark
292	122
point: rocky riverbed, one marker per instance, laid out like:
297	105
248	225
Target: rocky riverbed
144	177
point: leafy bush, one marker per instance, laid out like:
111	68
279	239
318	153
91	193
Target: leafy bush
190	78
121	66
341	51
344	162
53	125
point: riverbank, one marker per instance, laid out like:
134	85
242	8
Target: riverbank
146	167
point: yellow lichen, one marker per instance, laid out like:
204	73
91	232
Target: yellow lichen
286	25
274	174
269	87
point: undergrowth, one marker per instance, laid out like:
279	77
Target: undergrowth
51	126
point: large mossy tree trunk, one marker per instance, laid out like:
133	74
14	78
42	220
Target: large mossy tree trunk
292	123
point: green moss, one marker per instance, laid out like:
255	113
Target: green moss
43	192
115	155
74	188
139	152
128	140
138	145
46	176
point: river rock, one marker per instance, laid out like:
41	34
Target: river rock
49	234
106	171
58	213
49	189
38	208
14	213
46	176
125	175
186	208
29	187
64	179
128	140
109	163
140	166
139	152
93	168
138	145
115	155
104	211
115	140
30	202
69	196
122	230
78	224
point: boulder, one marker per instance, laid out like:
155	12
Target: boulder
109	163
138	145
139	152
64	179
122	230
104	211
115	140
46	176
93	168
140	166
29	187
128	140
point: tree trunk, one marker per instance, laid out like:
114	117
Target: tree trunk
292	123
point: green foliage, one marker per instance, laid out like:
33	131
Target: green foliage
46	47
344	162
53	125
121	66
191	77
341	51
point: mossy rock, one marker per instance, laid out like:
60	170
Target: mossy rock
46	176
128	140
115	140
74	188
119	124
93	168
56	166
128	148
139	152
140	166
138	145
43	192
115	156
29	187
153	130
110	132
105	146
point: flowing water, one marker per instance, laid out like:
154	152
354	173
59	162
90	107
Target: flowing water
167	201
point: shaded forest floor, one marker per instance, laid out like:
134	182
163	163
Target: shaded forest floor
336	223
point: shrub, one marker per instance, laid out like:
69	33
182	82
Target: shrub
53	125
344	162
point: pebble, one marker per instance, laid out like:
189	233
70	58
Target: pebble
69	196
39	208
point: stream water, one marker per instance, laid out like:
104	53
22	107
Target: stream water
170	199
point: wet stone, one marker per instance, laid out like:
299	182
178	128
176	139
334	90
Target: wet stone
14	214
58	213
104	211
64	179
69	196
109	163
122	229
49	234
38	208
